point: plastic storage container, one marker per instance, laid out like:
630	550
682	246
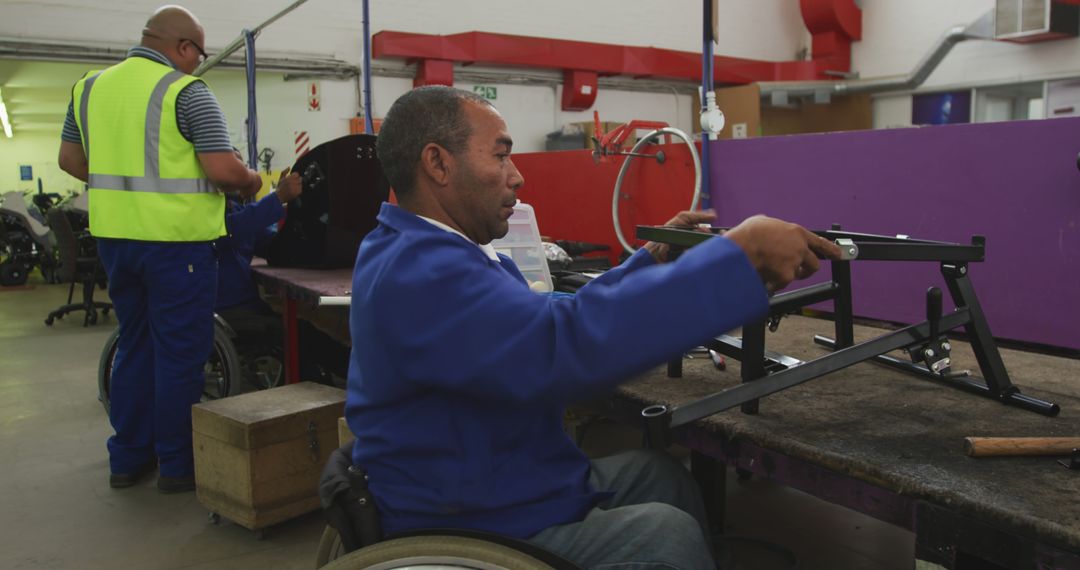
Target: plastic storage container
522	244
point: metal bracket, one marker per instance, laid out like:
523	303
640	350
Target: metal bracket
848	249
764	372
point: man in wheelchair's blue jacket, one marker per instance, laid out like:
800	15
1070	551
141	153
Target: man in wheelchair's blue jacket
249	233
459	373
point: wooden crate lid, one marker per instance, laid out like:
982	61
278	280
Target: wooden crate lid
258	419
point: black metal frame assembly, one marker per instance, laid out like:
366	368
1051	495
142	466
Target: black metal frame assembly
765	372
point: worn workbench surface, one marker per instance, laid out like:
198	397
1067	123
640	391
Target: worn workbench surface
305	284
904	433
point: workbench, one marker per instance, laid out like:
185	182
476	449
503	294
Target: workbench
295	294
891	445
870	438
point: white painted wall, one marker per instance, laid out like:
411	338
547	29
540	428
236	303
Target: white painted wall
282	111
896	35
39	150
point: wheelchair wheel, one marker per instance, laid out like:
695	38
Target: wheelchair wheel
264	367
436	551
222	370
330	547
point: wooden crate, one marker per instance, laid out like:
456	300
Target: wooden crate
258	456
344	434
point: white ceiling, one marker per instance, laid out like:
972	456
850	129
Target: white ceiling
37	92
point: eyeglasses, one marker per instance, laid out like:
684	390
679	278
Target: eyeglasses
202	54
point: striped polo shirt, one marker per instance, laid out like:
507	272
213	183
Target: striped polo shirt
198	114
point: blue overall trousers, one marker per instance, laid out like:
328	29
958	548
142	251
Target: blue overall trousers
163	294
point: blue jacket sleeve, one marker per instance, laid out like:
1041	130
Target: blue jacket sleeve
249	221
508	343
641	258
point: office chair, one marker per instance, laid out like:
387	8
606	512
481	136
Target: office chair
78	263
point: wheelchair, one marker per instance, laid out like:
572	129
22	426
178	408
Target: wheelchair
353	538
235	356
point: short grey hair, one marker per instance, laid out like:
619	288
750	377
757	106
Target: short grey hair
429	114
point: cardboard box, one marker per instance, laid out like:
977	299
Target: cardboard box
577	135
258	456
589	130
747	116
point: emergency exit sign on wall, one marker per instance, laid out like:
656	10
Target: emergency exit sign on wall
489	92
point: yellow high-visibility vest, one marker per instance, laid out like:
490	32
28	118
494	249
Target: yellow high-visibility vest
145	180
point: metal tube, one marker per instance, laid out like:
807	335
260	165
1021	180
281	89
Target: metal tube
239	41
368	125
763	386
252	121
915	78
216	58
706	88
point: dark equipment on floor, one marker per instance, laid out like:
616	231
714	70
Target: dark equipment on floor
25	242
78	264
354	540
344	188
765	372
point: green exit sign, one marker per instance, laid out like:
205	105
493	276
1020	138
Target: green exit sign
489	92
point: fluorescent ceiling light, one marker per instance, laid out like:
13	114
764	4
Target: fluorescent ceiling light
4	117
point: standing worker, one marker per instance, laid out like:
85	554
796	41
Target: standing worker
152	144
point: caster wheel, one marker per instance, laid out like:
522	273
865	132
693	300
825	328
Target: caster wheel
105	311
93	318
49	322
13	274
214	518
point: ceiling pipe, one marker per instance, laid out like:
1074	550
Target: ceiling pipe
239	41
71	53
781	92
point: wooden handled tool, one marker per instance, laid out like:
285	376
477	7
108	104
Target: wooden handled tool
1010	446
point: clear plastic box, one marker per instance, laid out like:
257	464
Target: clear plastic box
522	244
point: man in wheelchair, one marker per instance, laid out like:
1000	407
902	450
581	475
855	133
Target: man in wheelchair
459	373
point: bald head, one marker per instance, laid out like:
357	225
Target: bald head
173	21
171	30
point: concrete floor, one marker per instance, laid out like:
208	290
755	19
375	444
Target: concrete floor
57	510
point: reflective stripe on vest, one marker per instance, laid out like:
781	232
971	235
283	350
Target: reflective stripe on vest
181	206
84	101
150	184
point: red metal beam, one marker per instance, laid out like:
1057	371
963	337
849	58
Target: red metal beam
603	59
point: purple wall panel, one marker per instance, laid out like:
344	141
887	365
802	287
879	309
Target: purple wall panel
1016	183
